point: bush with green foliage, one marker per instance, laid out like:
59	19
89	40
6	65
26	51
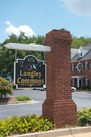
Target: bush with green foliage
84	117
24	124
33	123
5	87
23	98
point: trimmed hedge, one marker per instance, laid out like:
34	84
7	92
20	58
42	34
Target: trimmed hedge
22	98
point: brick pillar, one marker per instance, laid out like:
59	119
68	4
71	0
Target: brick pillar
59	106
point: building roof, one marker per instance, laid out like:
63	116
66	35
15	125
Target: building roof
74	52
88	47
76	58
86	56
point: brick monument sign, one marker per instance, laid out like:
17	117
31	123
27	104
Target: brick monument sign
58	105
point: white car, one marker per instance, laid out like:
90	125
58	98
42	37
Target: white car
44	87
73	89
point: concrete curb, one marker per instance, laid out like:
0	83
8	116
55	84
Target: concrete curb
19	103
58	132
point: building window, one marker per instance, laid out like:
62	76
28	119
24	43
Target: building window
80	53
86	65
79	66
73	67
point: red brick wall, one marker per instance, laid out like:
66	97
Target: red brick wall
58	104
83	71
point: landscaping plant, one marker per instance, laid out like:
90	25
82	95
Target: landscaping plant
23	98
24	124
5	87
84	117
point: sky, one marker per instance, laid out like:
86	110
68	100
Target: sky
38	17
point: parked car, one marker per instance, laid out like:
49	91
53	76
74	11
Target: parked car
6	76
73	89
42	89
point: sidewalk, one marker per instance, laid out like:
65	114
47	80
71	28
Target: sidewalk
78	135
66	132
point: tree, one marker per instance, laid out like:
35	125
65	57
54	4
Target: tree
7	56
5	87
82	41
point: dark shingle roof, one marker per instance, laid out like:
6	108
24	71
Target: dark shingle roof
74	59
87	56
88	47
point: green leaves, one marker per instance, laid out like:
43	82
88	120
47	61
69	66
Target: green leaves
23	98
84	117
5	87
24	124
7	56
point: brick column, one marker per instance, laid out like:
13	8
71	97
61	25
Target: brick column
59	106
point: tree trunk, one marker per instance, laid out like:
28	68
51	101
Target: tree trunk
1	95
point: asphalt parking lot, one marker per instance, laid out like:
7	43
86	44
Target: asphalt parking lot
82	99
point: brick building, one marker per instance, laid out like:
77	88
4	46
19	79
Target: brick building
81	67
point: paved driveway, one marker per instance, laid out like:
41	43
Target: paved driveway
82	99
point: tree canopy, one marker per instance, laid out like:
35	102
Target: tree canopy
7	56
82	41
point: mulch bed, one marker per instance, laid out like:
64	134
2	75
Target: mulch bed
7	100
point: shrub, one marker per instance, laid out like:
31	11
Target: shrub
5	87
22	98
24	124
84	117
